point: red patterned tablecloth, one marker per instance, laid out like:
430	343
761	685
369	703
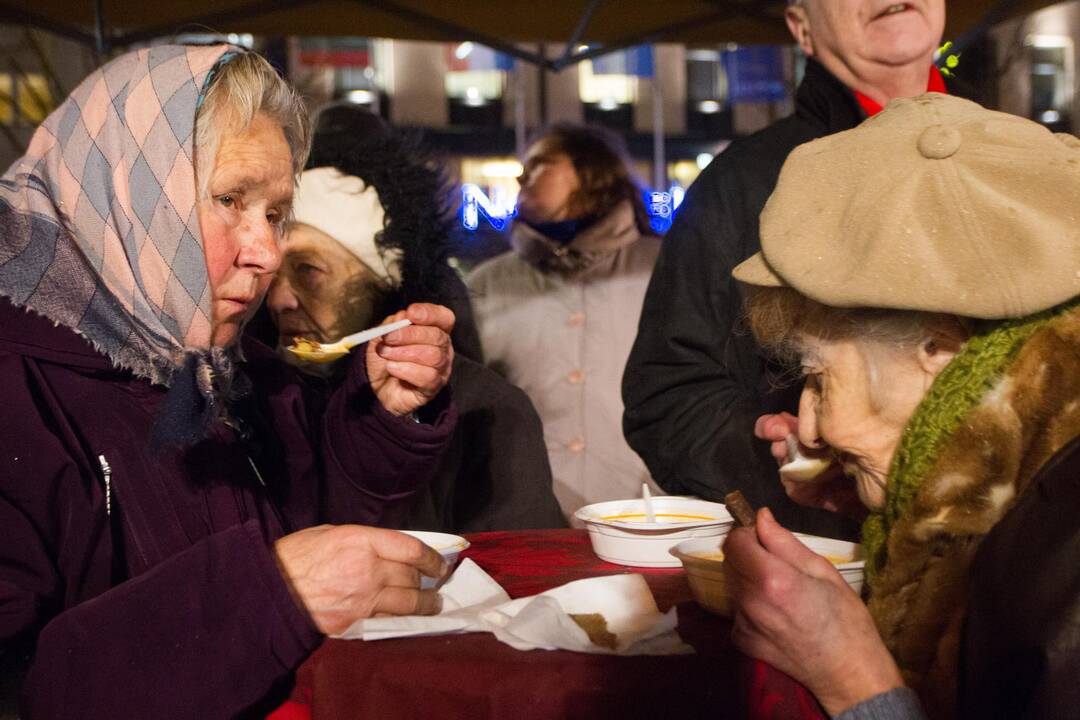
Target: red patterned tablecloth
474	676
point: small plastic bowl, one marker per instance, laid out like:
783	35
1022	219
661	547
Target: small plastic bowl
447	545
703	560
621	534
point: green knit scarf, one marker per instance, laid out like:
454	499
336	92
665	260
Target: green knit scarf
954	393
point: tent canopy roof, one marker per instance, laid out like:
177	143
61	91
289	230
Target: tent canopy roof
611	23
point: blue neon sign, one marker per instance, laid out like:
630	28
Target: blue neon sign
499	209
474	202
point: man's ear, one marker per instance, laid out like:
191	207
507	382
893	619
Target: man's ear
798	23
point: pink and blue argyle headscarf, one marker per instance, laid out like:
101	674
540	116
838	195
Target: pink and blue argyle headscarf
98	226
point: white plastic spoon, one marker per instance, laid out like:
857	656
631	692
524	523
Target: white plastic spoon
316	352
800	467
646	497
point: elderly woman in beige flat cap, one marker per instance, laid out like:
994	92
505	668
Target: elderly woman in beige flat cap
930	295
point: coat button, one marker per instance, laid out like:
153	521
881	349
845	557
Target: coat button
576	319
576	377
576	445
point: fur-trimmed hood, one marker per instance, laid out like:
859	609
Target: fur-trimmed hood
919	597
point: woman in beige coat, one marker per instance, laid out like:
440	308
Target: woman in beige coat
557	316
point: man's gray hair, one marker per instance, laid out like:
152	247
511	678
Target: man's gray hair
243	87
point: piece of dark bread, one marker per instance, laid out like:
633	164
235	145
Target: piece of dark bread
595	626
740	509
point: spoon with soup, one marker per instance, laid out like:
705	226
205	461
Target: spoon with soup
316	352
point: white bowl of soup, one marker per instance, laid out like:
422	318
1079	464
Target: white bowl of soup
447	545
621	532
703	560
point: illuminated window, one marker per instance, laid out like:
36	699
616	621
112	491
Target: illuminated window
26	99
489	190
497	176
608	85
246	40
474	87
350	66
707	109
475	81
755	74
7	99
1051	62
606	90
35	98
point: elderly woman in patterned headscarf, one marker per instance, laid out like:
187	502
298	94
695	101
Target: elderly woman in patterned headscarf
931	297
160	478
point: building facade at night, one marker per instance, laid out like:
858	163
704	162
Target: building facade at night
676	106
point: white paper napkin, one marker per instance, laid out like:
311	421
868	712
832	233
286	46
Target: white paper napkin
473	602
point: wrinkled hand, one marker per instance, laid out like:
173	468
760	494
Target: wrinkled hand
408	367
793	610
342	573
831	490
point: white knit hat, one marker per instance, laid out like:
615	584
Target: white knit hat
348	210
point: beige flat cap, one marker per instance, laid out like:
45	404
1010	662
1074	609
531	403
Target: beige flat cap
935	204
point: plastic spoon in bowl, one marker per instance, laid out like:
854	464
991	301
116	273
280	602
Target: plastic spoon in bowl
802	467
317	352
646	497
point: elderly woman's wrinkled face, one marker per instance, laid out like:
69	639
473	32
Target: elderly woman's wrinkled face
322	291
857	399
251	187
548	183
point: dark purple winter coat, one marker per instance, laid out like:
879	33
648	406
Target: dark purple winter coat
142	583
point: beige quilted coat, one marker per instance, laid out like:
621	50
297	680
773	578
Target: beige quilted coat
559	321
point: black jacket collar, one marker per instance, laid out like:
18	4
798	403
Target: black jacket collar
825	102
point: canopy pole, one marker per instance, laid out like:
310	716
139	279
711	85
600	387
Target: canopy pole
542	91
100	43
655	36
579	31
519	109
659	160
461	32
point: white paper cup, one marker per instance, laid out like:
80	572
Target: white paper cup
447	545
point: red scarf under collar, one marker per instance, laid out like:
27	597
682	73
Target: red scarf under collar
935	83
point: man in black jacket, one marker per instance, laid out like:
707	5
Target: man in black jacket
695	382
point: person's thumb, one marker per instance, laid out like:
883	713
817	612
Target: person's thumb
782	543
775	427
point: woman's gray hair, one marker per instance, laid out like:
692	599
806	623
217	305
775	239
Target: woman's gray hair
778	317
243	87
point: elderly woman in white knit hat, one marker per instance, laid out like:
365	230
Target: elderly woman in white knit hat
930	295
370	236
331	254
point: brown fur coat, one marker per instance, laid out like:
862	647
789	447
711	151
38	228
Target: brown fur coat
919	598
